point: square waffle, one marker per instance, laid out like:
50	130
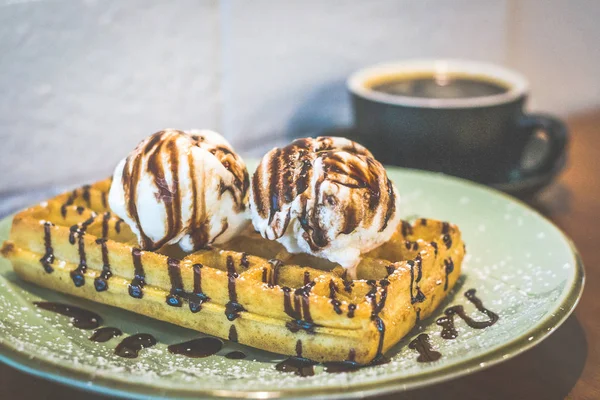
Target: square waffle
249	290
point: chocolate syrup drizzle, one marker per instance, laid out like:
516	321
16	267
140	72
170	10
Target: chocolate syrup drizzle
174	297
105	218
48	258
447	321
377	307
131	345
104	334
104	199
100	283
233	335
422	345
232	308
197	297
299	311
70	200
435	248
348	284
416	295
334	302
306	277
448	269
78	274
244	261
274	276
446	232
351	310
406	228
139	277
86	195
163	145
80	318
118	225
197	348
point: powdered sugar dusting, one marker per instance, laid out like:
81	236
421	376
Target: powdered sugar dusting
518	263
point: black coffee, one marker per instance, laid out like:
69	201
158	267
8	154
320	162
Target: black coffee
440	87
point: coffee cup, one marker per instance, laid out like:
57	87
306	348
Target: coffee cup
463	118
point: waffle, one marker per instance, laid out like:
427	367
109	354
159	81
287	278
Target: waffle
249	290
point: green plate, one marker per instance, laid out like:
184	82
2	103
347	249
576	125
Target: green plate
521	265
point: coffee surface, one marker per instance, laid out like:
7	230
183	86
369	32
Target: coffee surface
440	88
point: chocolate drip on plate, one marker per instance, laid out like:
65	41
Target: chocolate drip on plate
493	317
342	366
297	365
447	321
422	345
130	346
197	348
80	318
235	355
447	324
104	334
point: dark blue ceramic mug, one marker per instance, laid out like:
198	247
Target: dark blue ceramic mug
482	136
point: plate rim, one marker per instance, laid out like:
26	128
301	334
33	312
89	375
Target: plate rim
103	385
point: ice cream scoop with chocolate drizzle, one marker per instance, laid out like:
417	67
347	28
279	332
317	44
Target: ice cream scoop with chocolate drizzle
326	196
181	187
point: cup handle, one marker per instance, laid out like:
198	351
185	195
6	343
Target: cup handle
557	137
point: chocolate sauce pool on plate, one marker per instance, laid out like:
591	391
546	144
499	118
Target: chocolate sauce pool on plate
131	345
197	348
80	318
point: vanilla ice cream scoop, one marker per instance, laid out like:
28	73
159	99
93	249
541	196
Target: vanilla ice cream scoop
327	197
181	187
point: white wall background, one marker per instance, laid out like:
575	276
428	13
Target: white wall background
81	82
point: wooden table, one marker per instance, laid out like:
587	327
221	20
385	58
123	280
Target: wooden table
566	365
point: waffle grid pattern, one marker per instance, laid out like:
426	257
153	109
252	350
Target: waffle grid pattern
249	290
